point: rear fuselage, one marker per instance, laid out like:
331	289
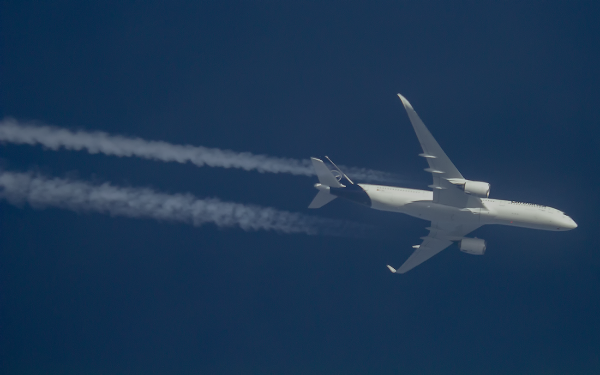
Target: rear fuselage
419	203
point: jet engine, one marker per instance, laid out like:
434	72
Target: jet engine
477	188
475	246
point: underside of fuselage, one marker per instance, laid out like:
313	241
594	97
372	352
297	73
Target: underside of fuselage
353	193
420	204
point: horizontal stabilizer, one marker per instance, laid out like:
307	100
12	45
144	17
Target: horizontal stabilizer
321	199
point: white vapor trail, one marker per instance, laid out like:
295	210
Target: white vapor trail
40	192
100	142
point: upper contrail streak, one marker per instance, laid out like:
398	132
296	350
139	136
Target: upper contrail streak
100	142
40	192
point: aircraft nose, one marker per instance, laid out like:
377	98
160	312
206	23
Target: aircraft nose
569	223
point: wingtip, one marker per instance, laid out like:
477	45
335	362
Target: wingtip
390	267
405	102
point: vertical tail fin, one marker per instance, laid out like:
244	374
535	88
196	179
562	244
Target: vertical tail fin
333	184
326	177
326	180
342	174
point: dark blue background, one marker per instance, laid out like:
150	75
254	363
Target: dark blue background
510	91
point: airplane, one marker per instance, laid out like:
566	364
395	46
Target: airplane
455	206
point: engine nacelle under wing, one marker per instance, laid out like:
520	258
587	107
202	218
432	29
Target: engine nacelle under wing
475	246
476	188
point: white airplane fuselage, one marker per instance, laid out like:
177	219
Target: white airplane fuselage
419	203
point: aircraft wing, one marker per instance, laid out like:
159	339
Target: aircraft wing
440	166
441	235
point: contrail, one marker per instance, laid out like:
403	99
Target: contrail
116	145
40	192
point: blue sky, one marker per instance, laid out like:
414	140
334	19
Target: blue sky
509	90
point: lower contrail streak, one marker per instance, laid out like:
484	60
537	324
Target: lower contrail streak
100	142
42	192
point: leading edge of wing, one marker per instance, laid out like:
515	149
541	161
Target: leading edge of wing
428	249
441	235
439	162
